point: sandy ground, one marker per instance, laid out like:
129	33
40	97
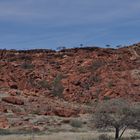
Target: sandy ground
64	136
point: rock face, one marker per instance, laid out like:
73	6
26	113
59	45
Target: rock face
3	122
45	82
13	100
65	112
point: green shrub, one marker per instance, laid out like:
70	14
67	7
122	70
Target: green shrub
76	123
43	84
110	84
96	65
134	137
95	79
81	70
57	87
26	65
106	98
5	132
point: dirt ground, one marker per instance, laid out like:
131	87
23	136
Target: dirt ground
66	136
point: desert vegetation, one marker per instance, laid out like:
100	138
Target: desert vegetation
118	114
57	87
112	119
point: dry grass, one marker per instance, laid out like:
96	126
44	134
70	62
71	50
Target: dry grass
65	136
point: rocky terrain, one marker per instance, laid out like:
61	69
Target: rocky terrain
37	84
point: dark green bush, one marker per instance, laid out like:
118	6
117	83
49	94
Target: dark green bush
76	123
57	86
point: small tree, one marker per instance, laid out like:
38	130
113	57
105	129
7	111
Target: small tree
108	45
57	86
61	48
118	114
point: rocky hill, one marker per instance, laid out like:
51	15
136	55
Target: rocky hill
64	83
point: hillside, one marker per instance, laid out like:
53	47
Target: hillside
64	83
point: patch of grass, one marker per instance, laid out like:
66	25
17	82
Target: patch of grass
81	69
106	98
76	123
104	137
5	132
95	79
110	84
97	92
14	132
25	57
134	137
96	65
43	84
26	65
89	138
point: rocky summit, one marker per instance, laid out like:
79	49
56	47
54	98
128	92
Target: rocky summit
64	83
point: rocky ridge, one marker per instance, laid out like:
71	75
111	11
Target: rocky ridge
64	83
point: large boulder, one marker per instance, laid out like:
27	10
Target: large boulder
3	122
65	112
13	100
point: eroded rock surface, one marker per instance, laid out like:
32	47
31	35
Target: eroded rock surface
64	83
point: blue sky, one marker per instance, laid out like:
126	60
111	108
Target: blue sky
30	24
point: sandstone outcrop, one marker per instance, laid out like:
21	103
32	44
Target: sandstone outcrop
63	83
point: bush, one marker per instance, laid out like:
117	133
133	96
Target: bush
25	57
4	132
96	79
81	69
57	87
110	84
106	98
76	123
43	84
135	137
104	137
93	79
117	113
27	66
96	65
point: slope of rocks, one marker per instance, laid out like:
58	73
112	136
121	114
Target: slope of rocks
46	82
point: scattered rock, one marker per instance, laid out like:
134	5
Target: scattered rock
13	100
65	112
3	122
135	74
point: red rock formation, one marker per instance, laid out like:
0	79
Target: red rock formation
3	122
43	80
65	112
13	100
